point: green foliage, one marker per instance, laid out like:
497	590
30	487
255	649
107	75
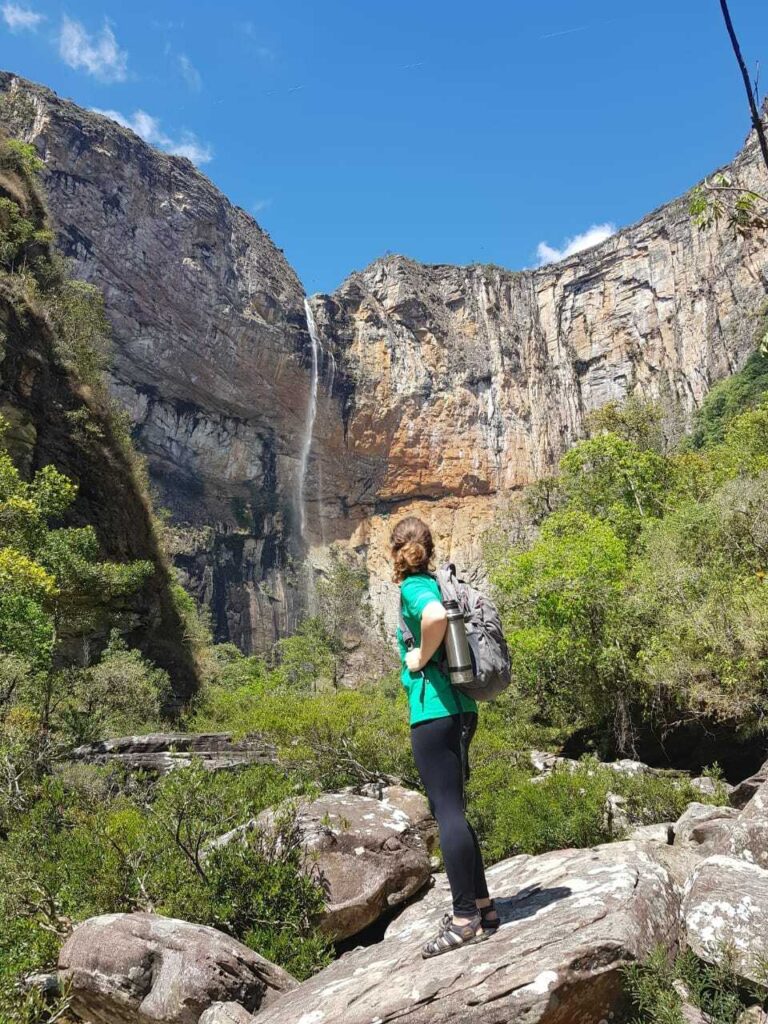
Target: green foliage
642	598
333	738
729	399
123	693
89	845
560	599
518	814
715	989
52	581
306	659
724	199
83	334
615	480
20	156
633	420
19	236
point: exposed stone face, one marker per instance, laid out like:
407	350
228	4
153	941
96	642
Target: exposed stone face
726	905
145	969
570	920
372	854
441	389
162	752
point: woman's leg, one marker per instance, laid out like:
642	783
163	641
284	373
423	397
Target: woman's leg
437	750
481	886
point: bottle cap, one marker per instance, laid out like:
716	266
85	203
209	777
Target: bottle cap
451	604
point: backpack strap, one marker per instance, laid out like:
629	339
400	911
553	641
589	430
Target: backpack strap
408	638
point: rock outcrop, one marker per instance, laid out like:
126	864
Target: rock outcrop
161	752
440	389
144	969
370	854
570	921
725	911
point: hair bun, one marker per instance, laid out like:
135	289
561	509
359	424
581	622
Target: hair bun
414	554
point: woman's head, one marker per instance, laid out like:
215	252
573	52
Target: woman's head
412	547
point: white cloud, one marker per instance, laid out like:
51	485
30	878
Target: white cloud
190	74
20	19
148	127
592	236
260	204
99	54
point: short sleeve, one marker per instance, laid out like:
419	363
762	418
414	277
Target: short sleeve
417	592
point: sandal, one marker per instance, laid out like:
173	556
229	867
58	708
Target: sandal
490	925
452	936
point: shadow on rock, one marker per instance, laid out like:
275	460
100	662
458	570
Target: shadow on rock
528	902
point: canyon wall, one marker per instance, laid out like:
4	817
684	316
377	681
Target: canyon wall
440	389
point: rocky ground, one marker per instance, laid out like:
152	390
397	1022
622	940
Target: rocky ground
571	920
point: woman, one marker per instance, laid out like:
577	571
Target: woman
443	721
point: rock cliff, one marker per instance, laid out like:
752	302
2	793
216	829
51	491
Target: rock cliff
438	389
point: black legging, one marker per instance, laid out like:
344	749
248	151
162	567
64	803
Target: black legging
443	764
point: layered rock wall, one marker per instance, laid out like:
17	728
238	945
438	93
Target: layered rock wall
440	389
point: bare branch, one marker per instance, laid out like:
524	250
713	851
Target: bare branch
752	98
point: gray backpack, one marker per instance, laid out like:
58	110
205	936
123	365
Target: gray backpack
490	656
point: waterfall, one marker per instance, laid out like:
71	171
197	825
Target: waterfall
309	424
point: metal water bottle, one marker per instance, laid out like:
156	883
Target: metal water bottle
457	646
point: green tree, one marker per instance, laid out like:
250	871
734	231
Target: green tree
562	602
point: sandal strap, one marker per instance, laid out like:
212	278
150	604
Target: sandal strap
451	936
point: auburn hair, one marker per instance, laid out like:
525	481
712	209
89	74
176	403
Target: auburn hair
412	547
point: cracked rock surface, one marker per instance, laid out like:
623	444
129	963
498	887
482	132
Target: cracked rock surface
371	854
570	920
145	969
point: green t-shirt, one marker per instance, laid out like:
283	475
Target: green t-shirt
430	693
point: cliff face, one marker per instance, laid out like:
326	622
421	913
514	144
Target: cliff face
44	406
439	389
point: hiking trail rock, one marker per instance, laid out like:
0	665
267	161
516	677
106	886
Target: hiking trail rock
370	853
145	969
570	920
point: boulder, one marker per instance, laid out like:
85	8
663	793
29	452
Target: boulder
369	853
226	1013
709	787
570	921
741	795
704	824
726	904
748	836
662	833
161	752
145	969
409	801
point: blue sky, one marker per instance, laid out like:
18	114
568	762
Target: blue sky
450	132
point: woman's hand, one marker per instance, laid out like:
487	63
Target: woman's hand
413	660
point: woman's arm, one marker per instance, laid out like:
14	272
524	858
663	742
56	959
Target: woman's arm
433	625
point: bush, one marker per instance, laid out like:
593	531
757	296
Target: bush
94	843
517	814
714	989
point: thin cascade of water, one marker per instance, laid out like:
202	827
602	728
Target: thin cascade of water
309	424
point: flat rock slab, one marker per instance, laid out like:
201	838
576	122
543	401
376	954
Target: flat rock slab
726	902
570	920
370	853
146	969
161	752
